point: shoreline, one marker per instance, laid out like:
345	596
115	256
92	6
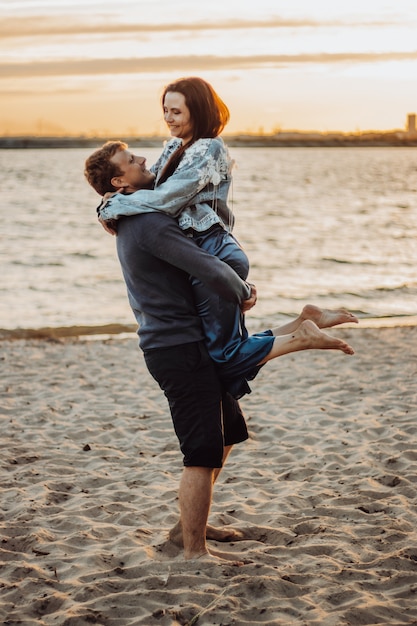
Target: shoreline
60	332
284	139
123	330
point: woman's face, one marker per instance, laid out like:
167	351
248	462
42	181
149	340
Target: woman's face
177	116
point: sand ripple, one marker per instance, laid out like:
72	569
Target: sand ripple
325	491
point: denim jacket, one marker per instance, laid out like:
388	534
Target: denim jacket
196	193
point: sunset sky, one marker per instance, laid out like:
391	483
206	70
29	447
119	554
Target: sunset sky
98	67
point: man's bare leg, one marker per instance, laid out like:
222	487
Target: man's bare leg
212	532
216	472
223	534
323	318
194	499
307	337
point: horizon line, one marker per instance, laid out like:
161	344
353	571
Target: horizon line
245	133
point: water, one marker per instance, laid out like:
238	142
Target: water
332	226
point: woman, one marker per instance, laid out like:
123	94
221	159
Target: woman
192	179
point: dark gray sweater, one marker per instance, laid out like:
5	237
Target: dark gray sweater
157	259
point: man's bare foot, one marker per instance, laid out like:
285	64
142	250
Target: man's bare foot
311	337
212	532
326	318
175	535
224	534
212	557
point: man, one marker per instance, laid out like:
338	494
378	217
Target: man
157	260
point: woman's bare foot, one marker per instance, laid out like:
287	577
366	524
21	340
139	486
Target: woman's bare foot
307	336
323	318
326	318
312	338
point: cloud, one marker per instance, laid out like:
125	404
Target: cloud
48	26
62	91
190	63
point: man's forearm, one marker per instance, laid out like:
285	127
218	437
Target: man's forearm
175	248
224	281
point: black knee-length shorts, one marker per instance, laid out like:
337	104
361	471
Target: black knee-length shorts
189	380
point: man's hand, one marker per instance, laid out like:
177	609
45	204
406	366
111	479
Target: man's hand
109	225
251	301
109	195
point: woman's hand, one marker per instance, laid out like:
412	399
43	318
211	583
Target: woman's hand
251	301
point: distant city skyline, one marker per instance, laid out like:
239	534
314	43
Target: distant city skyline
98	68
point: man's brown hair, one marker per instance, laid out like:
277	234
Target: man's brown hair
99	170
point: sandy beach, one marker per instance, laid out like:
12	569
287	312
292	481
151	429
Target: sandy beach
324	492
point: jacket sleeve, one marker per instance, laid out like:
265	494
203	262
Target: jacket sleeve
199	166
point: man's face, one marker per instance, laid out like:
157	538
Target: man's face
135	175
